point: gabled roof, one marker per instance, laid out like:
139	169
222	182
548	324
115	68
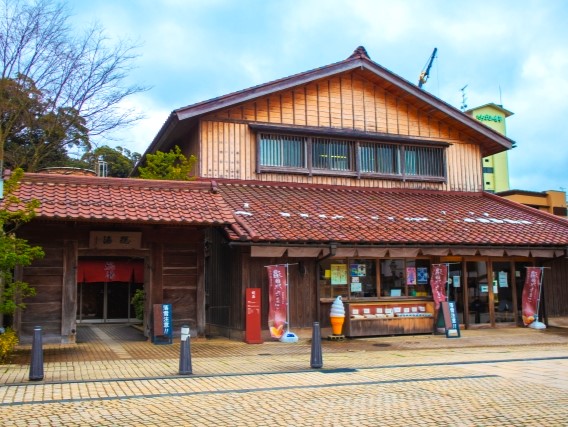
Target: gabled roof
183	119
80	198
279	213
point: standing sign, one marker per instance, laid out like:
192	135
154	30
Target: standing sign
163	330
277	300
531	295
448	317
438	281
252	332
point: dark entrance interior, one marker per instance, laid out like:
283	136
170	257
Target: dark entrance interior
105	287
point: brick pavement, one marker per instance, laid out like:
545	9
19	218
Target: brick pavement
487	377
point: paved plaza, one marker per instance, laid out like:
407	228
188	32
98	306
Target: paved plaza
112	377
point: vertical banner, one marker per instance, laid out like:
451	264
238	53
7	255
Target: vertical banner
531	293
277	300
438	281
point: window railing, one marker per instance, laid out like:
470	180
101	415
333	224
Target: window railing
331	156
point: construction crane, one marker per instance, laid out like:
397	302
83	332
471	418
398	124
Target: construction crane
426	70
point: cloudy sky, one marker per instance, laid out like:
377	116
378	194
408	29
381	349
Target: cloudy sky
510	52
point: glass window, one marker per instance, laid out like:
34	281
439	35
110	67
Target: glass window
332	154
405	277
380	158
392	278
282	151
503	292
424	161
333	278
363	278
353	278
329	154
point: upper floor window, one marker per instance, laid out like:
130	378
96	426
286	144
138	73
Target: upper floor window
331	154
283	151
336	156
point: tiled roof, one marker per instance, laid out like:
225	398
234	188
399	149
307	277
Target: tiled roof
296	213
79	198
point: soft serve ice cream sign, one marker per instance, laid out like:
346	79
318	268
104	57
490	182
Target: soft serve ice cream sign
337	316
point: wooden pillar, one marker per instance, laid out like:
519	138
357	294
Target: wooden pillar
69	294
156	294
200	295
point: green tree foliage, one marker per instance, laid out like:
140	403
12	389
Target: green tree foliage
60	86
120	161
35	134
172	165
14	251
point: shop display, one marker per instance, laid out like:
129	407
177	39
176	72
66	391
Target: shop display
389	318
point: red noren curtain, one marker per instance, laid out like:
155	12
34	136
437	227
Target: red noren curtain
93	271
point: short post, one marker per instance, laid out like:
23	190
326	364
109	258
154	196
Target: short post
36	366
316	360
185	352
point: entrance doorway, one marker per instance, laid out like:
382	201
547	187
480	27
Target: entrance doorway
478	289
105	288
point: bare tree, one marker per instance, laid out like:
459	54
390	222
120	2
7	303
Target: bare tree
78	75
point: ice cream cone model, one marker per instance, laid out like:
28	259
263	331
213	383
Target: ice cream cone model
336	324
337	316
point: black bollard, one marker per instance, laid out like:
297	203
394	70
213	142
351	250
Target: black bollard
316	360
36	367
185	352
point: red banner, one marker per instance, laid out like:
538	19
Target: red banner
531	293
277	300
438	281
93	271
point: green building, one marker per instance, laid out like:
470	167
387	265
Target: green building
496	167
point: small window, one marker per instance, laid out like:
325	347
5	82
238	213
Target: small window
423	161
380	158
332	154
282	151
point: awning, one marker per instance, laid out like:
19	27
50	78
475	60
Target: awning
464	251
491	252
303	252
436	251
372	252
542	253
518	252
95	271
267	251
404	252
345	252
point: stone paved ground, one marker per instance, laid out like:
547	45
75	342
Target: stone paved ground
502	377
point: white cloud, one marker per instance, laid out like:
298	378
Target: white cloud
197	50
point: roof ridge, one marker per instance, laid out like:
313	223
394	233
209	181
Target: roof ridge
48	178
307	186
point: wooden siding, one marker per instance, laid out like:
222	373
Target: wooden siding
178	266
174	273
350	102
45	308
555	288
303	298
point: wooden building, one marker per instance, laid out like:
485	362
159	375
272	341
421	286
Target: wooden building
355	178
349	164
106	237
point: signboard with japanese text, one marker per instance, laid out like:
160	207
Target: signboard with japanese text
115	240
277	300
163	325
438	281
450	319
531	295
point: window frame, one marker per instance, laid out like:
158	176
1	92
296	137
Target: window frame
355	140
